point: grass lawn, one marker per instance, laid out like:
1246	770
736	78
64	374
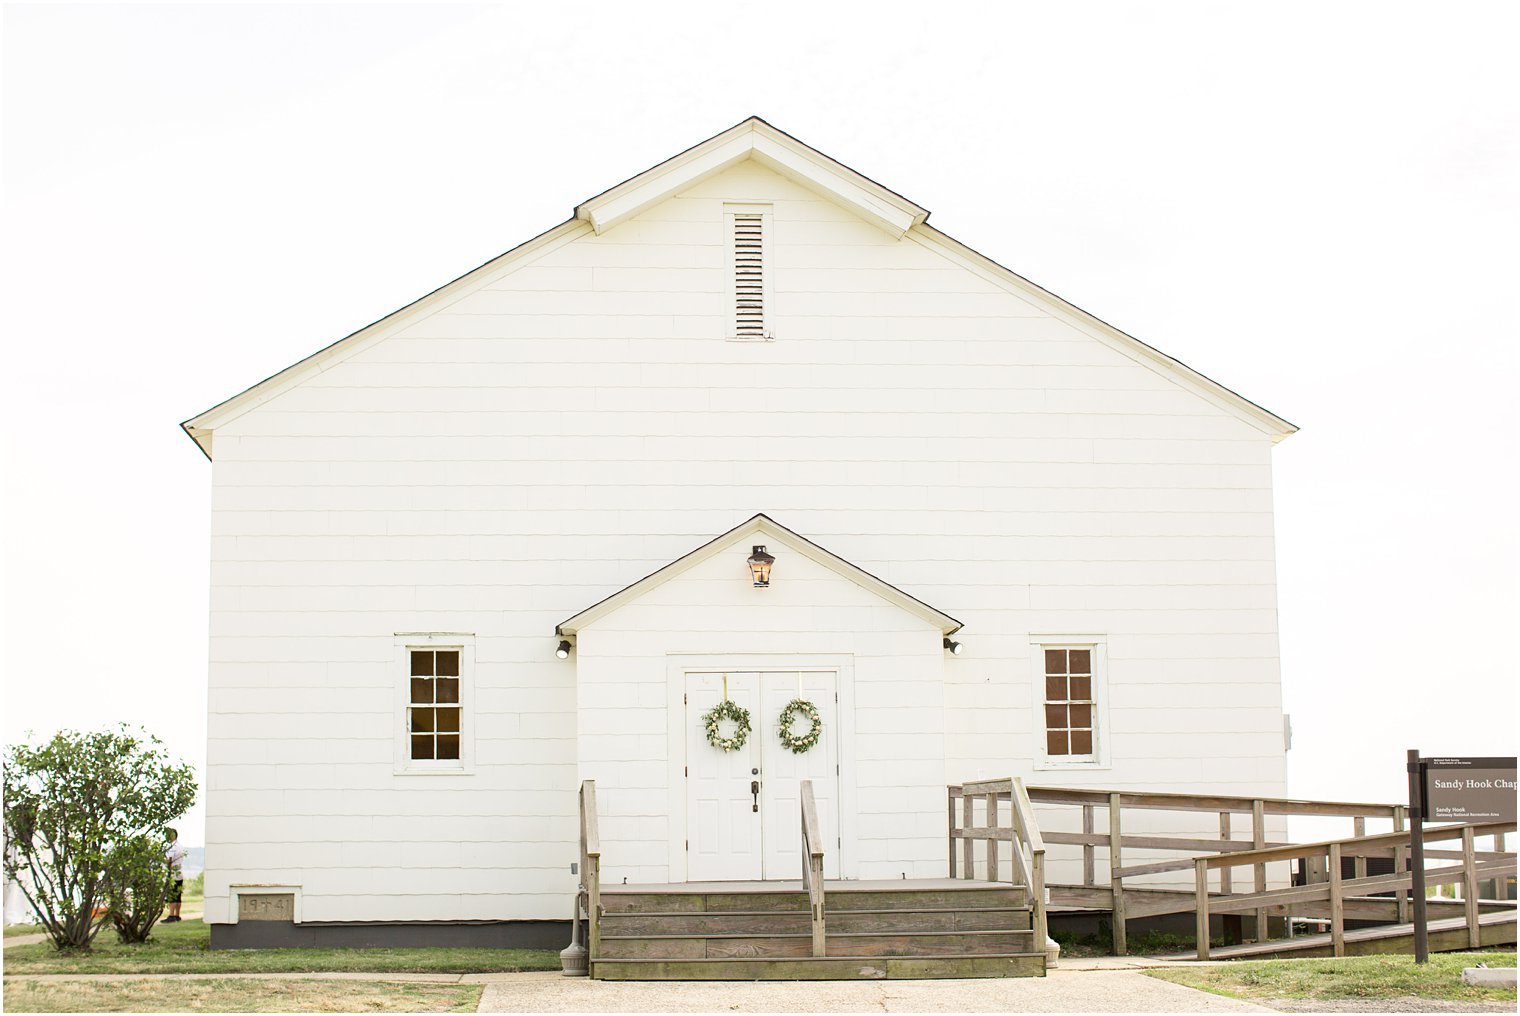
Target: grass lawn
1351	977
240	996
194	902
184	948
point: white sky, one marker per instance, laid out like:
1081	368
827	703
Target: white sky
1313	203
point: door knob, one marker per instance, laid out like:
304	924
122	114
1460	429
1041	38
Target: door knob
754	788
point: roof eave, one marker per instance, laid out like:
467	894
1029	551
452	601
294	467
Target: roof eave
274	384
1263	419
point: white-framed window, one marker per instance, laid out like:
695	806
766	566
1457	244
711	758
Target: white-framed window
435	697
1070	685
748	229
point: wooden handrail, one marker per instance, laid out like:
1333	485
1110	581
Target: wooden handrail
1369	886
1379	842
1022	835
1029	830
1158	801
591	870
812	865
1096	839
1379	845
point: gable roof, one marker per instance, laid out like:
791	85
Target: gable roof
776	150
776	534
755	139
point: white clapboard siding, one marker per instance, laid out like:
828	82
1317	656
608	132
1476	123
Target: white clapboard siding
570	424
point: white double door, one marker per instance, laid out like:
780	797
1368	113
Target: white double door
743	818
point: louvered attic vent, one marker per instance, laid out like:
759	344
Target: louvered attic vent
749	277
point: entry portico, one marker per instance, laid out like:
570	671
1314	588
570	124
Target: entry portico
652	659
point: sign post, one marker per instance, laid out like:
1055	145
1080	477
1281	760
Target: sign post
1417	856
1462	790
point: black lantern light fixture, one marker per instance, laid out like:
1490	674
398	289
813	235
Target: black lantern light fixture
953	646
760	567
563	649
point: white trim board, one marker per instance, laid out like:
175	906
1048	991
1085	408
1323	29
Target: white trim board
765	529
776	150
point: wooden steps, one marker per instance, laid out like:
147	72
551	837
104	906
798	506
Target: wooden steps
827	969
740	931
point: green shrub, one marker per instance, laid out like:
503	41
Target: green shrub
138	878
75	811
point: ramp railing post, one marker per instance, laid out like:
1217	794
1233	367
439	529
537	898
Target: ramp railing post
1401	863
1089	852
1337	903
1201	887
1470	888
1115	880
1259	841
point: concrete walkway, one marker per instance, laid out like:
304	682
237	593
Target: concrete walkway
1062	991
1091	990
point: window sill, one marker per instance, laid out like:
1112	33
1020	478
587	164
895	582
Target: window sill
1047	766
434	771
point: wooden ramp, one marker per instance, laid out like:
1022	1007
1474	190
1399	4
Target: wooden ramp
1446	935
1152	902
1254	885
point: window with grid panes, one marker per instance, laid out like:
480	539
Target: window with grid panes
433	714
1069	704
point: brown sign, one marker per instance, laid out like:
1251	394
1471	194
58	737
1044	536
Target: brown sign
1469	789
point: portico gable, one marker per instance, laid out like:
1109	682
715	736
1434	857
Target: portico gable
651	659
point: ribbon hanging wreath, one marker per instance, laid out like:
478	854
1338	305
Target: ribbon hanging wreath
797	744
727	710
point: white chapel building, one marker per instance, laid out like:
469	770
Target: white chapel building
743	427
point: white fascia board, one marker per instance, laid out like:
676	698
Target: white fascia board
774	533
201	427
1205	387
776	151
894	217
652	186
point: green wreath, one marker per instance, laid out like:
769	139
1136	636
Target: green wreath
727	710
793	743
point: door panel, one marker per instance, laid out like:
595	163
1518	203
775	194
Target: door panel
782	773
726	838
723	838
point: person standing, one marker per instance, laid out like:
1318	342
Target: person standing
176	855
